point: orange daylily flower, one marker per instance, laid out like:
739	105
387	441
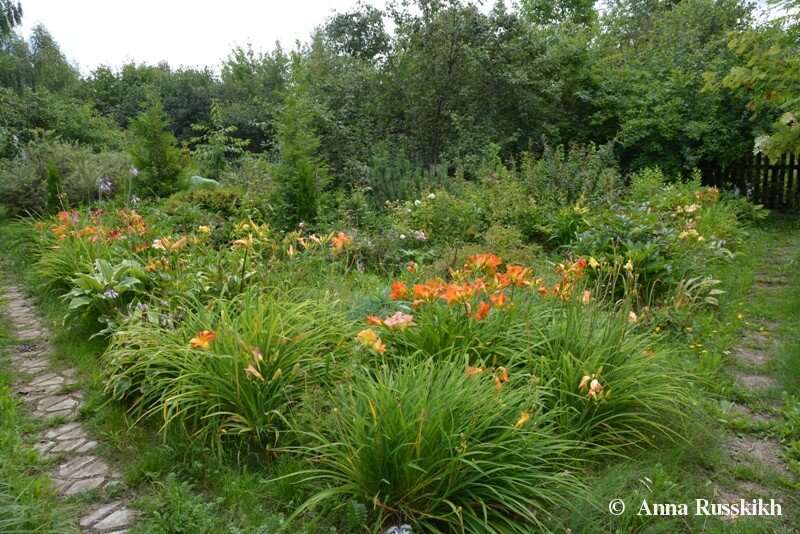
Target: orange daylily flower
500	282
412	267
483	311
501	379
523	418
340	241
503	374
484	262
429	291
454	293
203	340
587	296
375	320
399	290
367	336
518	274
498	299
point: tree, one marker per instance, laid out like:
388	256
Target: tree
650	79
359	33
546	12
155	153
251	92
10	16
216	143
51	70
300	173
768	77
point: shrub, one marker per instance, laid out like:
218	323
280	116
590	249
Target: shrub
564	176
229	369
300	173
453	218
23	184
224	201
54	187
215	144
427	445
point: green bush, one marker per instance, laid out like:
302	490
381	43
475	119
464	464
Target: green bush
54	186
228	371
427	445
564	176
23	184
226	201
300	173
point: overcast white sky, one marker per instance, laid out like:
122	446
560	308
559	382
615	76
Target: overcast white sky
192	33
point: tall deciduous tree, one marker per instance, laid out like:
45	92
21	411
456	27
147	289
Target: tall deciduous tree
10	15
769	76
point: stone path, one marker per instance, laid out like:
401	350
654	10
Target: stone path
751	356
51	395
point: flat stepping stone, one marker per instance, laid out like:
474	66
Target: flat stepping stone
746	450
28	335
63	405
83	473
106	518
751	356
755	382
41	385
65	438
31	366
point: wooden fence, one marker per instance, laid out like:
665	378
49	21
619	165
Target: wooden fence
774	185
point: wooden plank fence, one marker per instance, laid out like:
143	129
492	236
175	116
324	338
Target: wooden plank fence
774	185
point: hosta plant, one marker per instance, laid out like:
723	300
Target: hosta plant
106	291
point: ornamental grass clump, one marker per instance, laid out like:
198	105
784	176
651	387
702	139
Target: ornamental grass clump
232	368
443	449
608	385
